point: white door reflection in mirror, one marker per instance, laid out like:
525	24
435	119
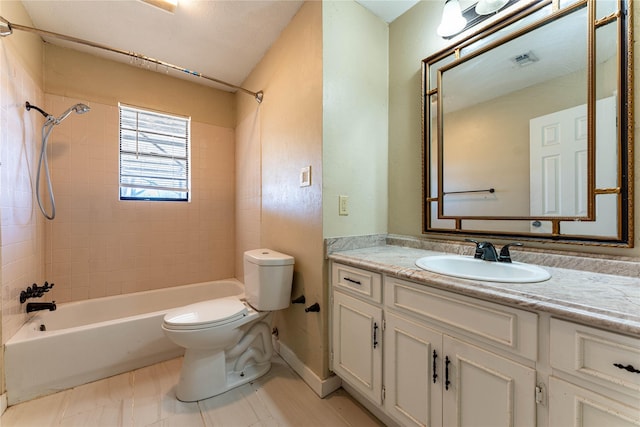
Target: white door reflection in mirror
558	167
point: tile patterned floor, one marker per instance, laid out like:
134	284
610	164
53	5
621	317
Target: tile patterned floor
146	397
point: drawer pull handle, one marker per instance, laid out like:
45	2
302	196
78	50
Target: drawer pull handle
446	372
629	368
375	335
435	374
352	281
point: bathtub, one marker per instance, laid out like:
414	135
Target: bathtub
88	340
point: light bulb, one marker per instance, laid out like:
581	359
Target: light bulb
452	20
486	7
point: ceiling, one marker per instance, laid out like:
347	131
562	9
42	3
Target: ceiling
388	10
218	38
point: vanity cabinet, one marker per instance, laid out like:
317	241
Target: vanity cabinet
441	353
412	380
357	333
486	389
596	377
439	365
357	345
470	386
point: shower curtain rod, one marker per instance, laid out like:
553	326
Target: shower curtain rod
11	26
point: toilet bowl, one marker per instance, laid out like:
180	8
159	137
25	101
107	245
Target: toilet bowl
227	341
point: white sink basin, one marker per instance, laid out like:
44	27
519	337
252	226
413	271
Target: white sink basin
471	268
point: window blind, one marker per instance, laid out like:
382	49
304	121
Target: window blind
154	155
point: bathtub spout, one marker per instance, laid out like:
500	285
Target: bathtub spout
37	306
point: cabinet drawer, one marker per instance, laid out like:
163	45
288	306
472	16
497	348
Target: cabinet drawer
593	354
363	283
570	405
506	327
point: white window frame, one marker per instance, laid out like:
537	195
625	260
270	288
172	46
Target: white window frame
155	155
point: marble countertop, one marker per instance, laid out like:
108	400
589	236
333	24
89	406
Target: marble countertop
595	299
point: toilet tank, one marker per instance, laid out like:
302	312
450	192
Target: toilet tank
267	279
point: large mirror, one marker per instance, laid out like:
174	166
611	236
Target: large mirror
526	127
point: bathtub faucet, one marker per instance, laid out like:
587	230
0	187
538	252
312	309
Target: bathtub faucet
37	306
34	291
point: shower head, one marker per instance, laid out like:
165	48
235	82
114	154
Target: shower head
78	108
81	108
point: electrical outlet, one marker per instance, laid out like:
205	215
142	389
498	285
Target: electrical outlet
343	208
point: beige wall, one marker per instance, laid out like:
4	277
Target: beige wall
281	136
80	75
21	226
410	41
355	119
28	47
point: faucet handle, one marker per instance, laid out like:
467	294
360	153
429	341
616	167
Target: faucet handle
484	250
505	256
478	253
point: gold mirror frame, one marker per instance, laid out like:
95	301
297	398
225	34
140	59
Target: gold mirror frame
433	211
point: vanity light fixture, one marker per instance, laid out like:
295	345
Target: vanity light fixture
487	7
452	20
168	5
455	20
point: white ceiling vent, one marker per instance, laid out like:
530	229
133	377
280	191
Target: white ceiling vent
524	59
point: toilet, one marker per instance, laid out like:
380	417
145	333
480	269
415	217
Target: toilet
227	341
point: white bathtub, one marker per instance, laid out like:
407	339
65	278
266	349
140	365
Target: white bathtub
88	340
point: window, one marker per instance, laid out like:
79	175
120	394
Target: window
154	155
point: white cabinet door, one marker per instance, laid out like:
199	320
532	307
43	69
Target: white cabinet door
413	372
484	389
573	406
357	345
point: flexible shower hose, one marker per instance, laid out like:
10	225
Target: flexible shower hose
46	131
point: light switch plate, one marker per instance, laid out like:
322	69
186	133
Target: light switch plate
305	176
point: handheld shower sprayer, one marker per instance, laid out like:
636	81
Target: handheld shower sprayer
78	108
47	127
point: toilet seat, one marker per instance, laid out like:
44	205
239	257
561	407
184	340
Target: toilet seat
206	314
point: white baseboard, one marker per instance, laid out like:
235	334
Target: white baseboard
321	387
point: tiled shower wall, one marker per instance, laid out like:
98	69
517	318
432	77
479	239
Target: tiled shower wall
21	225
100	246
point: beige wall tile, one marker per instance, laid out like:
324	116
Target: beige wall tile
99	245
21	225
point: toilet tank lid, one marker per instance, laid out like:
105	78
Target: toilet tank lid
267	257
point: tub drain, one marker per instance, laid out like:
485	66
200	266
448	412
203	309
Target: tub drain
43	328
